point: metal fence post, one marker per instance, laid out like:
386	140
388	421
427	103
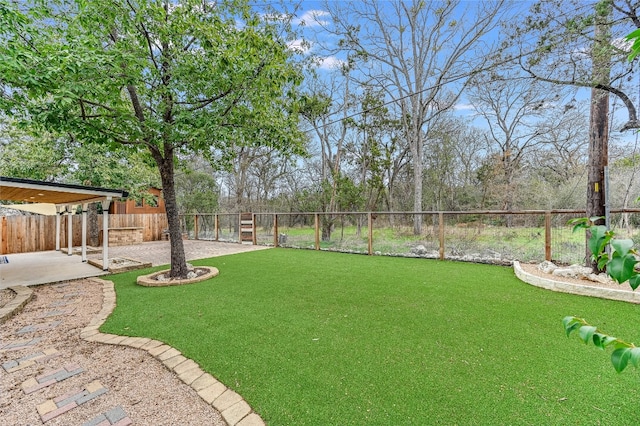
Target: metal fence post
370	226
441	234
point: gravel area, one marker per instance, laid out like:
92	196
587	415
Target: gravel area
606	283
6	296
147	391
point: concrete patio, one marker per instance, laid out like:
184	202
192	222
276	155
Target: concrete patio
37	268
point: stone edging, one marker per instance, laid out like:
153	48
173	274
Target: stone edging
17	304
582	290
150	281
234	409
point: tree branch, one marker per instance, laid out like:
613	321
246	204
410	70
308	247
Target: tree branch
633	122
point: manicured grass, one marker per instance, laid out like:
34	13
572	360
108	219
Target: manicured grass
320	338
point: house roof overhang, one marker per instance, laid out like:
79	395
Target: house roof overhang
33	191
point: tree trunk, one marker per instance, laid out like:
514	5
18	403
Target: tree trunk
416	150
599	123
94	225
178	259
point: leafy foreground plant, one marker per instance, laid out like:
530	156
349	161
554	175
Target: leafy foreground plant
321	338
620	264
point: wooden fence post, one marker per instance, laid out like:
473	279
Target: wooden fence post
317	229
4	246
216	225
547	235
253	230
195	226
275	229
441	234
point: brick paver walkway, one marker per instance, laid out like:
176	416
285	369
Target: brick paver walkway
159	252
42	367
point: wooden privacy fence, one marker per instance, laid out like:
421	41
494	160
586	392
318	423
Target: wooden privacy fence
21	234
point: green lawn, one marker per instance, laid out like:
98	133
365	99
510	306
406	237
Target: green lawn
321	338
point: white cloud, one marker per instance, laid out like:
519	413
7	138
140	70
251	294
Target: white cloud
330	63
622	44
312	18
464	107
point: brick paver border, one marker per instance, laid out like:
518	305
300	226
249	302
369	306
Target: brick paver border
114	417
51	377
52	408
233	408
29	360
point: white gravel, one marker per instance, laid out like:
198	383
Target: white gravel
148	392
609	283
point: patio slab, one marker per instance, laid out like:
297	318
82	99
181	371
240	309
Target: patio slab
44	267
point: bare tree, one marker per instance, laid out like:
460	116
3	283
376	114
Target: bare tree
322	105
416	52
514	109
558	38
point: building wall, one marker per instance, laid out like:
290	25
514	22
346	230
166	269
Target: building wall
130	207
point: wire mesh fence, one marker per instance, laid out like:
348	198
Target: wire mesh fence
481	236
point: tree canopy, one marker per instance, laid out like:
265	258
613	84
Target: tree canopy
161	77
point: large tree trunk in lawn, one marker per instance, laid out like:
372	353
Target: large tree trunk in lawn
94	225
178	259
599	124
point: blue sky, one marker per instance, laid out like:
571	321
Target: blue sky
312	14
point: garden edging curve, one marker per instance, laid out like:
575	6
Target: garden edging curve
233	408
582	290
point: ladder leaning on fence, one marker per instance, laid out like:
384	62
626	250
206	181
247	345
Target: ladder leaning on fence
247	228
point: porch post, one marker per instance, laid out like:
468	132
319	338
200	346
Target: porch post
70	230
84	231
105	233
59	212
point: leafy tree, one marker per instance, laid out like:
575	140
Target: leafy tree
371	150
156	76
196	191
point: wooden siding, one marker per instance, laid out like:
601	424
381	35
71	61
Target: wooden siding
129	206
21	234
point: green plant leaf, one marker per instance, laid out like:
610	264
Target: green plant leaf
602	261
621	268
633	34
602	340
635	357
598	239
579	223
586	332
634	281
620	358
571	323
622	247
